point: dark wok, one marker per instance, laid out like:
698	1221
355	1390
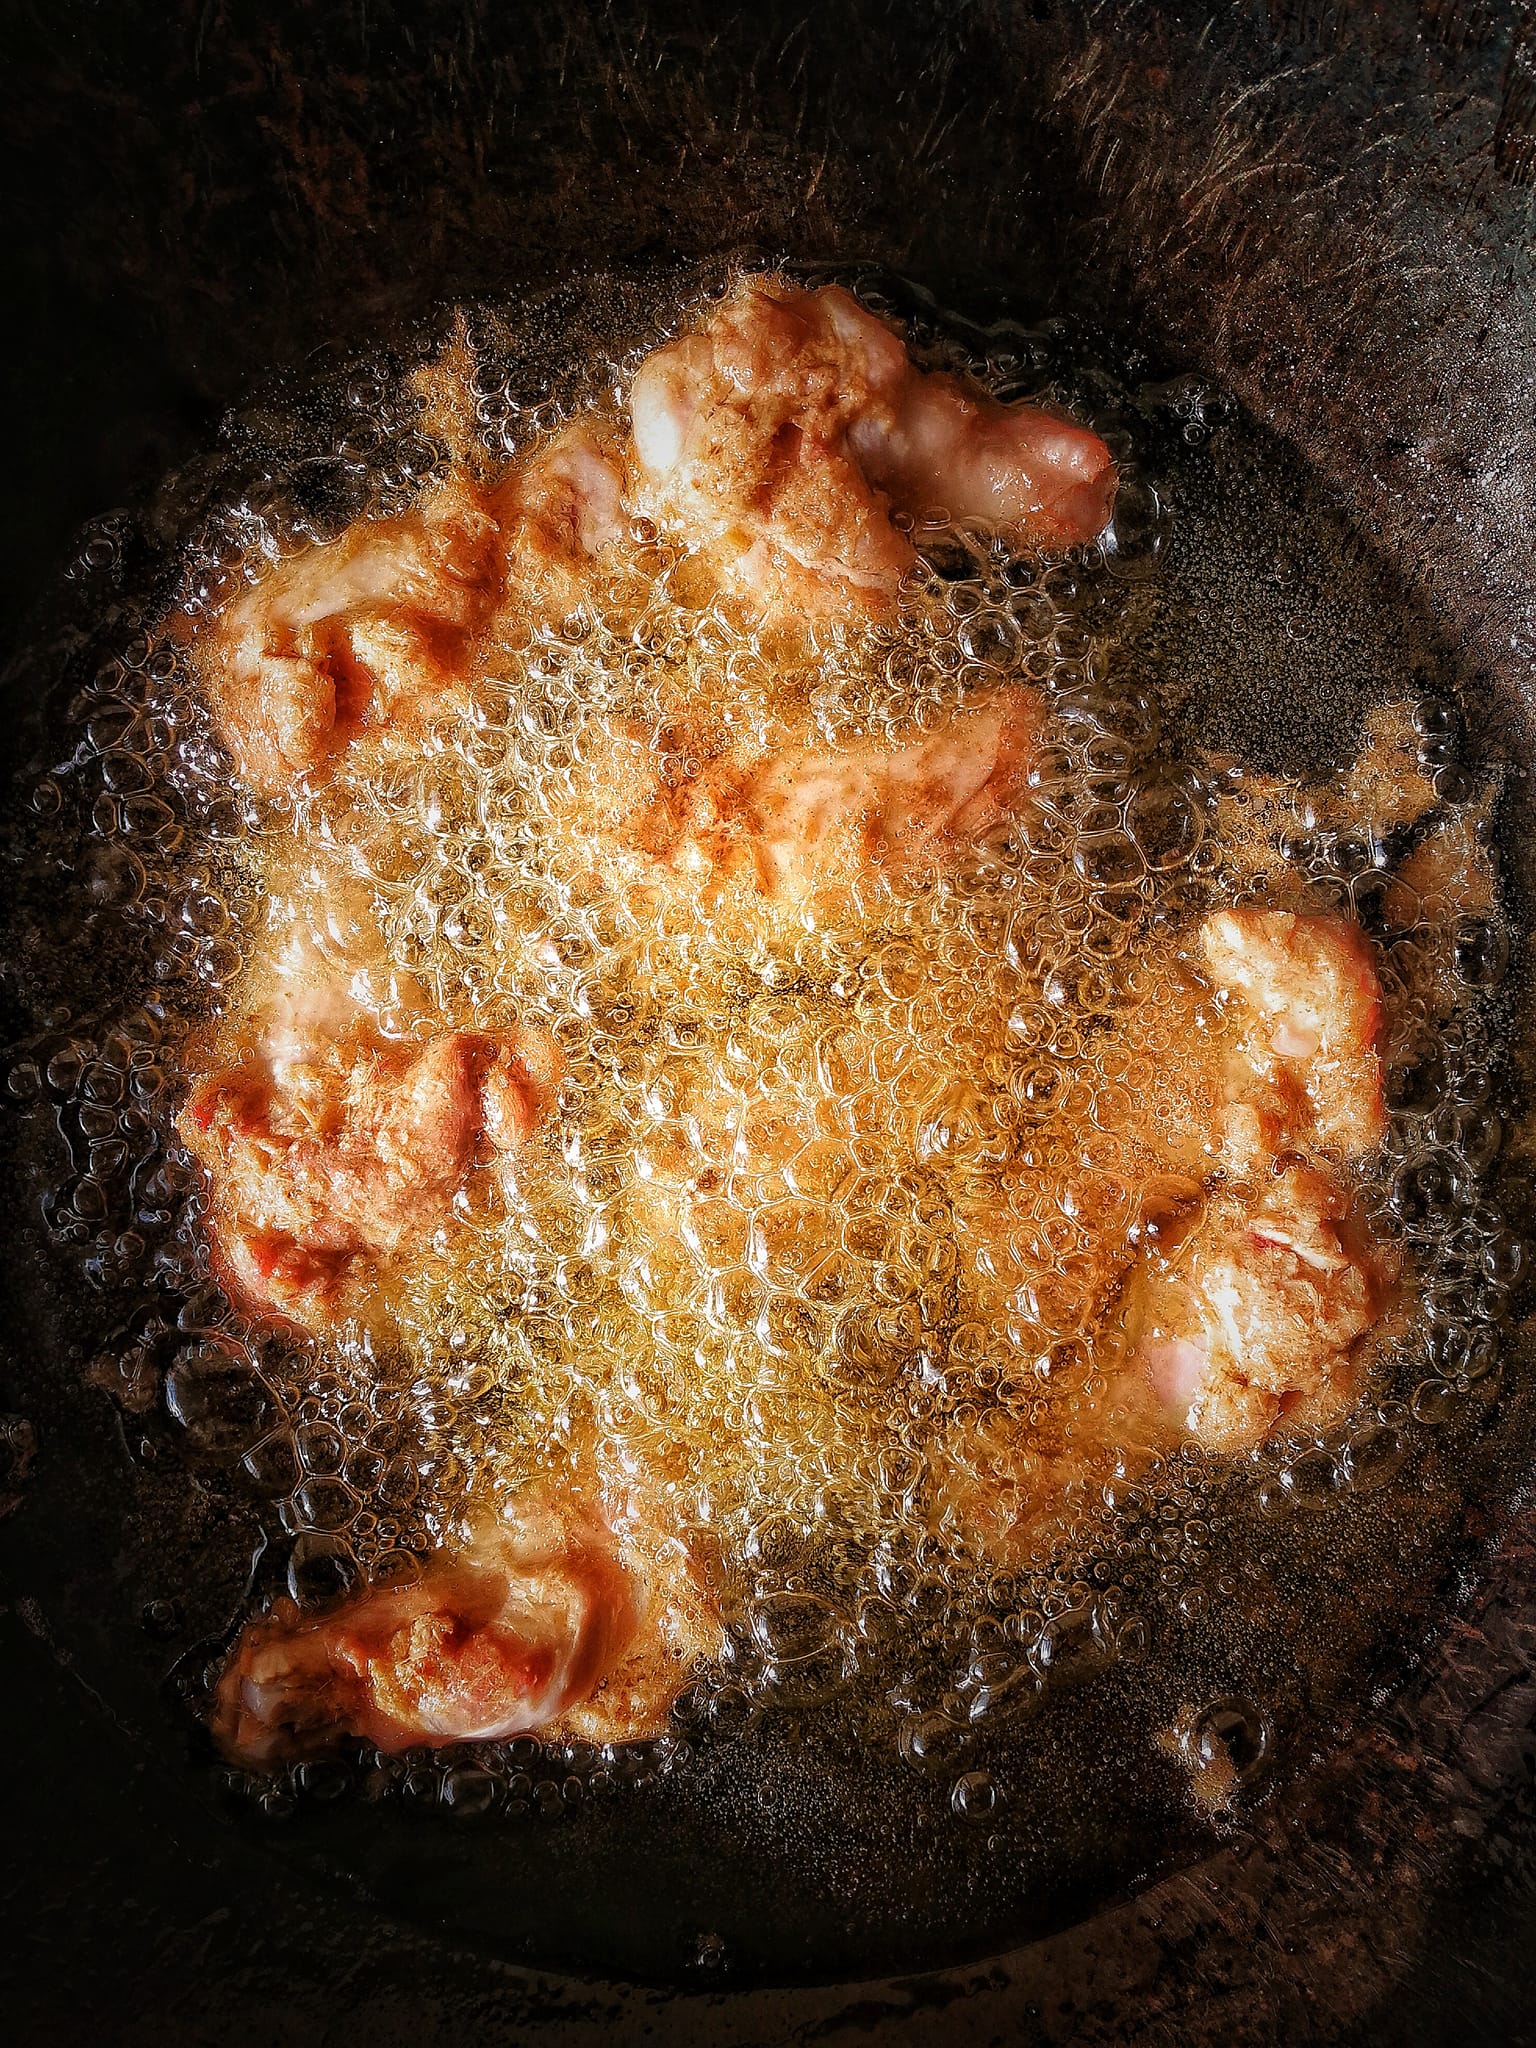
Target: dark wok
1325	205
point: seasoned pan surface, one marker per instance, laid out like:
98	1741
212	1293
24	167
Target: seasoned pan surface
1344	421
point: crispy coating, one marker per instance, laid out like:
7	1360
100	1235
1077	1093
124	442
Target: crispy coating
326	1162
1250	1285
782	823
366	631
1306	1070
780	437
1255	1319
775	443
370	638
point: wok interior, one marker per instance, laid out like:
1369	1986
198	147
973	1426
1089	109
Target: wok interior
695	1855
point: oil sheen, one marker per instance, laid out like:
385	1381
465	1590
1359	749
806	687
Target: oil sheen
824	1241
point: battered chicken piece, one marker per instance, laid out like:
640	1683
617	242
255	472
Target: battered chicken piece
779	437
1307	1072
1259	1316
373	632
549	1622
813	817
371	627
1256	1318
559	513
1246	1302
328	1156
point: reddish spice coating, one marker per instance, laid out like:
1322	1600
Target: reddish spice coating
547	1621
806	818
373	633
324	1168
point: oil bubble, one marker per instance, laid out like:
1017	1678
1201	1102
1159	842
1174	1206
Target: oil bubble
1232	1731
219	1400
974	1797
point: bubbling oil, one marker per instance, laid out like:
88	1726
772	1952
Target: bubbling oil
826	1185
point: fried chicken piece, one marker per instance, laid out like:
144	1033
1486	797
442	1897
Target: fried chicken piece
373	632
779	437
1254	1315
1256	1318
370	628
1245	1302
560	512
550	1621
808	817
328	1157
1306	1071
1259	1317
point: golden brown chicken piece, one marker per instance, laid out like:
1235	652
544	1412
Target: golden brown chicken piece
549	1622
1255	1318
1306	1071
368	629
559	513
808	817
779	437
1254	1315
1243	1303
373	632
328	1158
